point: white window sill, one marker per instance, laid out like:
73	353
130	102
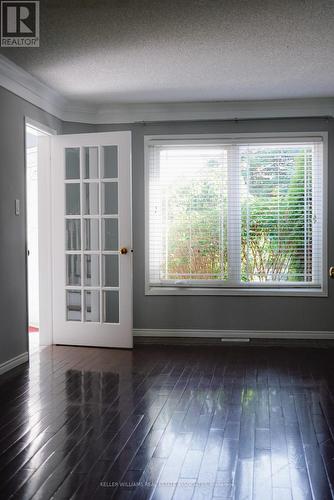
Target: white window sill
268	292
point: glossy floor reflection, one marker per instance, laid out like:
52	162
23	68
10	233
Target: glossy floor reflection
181	423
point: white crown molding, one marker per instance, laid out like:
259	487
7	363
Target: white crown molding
222	110
232	334
12	363
23	84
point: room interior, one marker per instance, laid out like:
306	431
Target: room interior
166	167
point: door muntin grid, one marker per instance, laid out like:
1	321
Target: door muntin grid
91	225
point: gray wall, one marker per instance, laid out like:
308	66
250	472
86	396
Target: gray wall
13	297
281	313
221	312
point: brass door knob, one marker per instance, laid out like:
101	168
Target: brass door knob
123	251
331	272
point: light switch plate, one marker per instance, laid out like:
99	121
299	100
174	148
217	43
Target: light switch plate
17	207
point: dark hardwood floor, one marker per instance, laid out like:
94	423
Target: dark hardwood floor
182	423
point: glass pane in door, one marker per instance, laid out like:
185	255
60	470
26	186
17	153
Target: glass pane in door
92	240
91	198
110	234
91	163
110	270
110	198
111	306
92	270
72	163
72	195
73	234
73	305
92	234
92	305
73	270
110	164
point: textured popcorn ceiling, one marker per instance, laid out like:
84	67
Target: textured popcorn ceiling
185	50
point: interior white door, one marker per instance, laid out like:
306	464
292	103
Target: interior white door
92	247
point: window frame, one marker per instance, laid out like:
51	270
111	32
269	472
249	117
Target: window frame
257	289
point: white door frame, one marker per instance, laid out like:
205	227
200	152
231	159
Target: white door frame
44	232
45	243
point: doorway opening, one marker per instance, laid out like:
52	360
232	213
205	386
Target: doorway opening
33	134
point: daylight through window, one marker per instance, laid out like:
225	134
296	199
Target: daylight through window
239	214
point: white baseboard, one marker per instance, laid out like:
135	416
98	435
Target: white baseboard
12	363
251	334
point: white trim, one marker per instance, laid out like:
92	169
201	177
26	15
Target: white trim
218	110
44	229
23	84
12	363
183	139
253	334
233	215
45	245
165	139
325	209
254	292
39	128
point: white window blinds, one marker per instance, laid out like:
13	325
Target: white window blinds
238	214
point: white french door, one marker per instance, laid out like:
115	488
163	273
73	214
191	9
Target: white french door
91	239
